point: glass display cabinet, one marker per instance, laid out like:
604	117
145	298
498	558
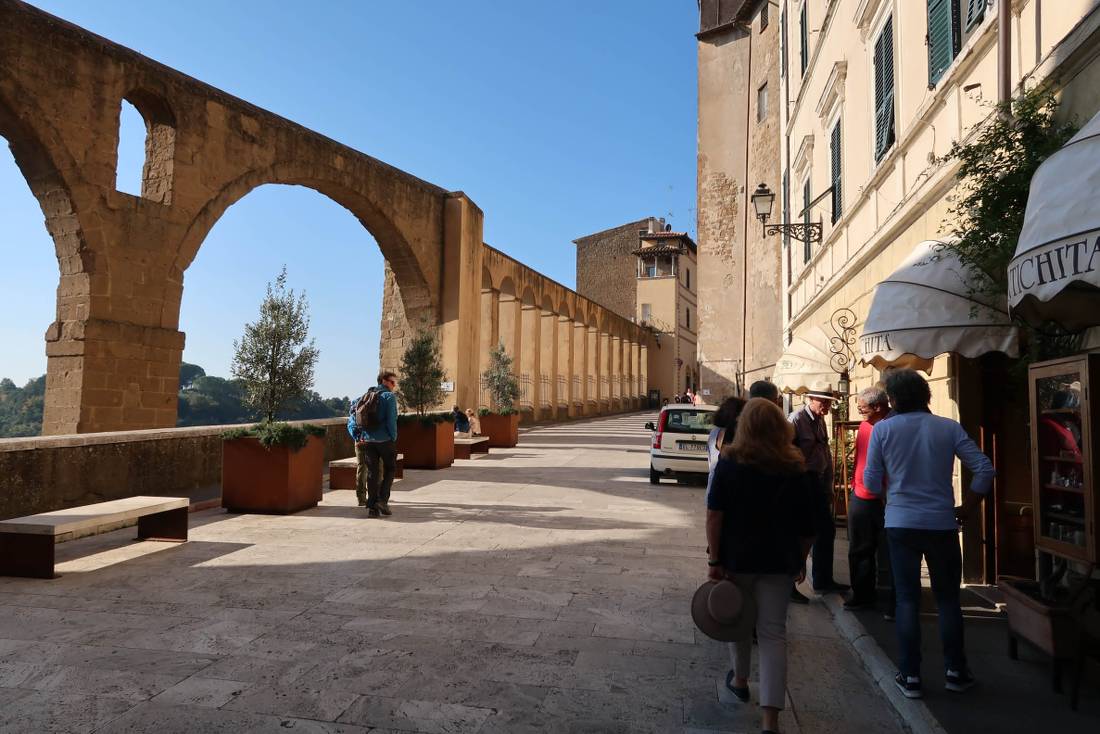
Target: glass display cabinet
1064	430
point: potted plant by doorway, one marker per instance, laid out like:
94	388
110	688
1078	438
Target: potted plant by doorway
426	439
274	466
501	423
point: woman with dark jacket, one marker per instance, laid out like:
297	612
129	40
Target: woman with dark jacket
760	527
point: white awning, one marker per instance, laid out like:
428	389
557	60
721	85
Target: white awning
1055	275
926	308
805	365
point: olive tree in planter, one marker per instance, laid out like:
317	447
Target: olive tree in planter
274	466
501	423
425	438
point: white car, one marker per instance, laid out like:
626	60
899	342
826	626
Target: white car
679	446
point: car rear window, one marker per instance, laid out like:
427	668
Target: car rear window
689	421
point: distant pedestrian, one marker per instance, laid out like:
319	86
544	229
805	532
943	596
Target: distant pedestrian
912	455
812	437
760	526
373	426
867	548
766	390
475	422
725	425
462	423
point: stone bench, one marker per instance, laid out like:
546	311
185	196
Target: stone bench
27	543
341	472
464	447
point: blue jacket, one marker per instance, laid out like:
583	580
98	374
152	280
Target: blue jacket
386	430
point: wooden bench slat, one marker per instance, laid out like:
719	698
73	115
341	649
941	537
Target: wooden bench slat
472	440
73	519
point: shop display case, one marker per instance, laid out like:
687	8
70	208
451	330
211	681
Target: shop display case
1064	432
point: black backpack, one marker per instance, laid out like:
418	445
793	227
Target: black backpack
368	409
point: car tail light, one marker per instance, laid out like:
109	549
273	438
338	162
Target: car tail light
660	431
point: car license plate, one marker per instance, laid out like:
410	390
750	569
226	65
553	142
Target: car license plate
691	445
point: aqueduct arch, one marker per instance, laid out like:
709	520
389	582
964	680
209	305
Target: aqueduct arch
114	351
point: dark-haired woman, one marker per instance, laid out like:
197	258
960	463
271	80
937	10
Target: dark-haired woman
725	424
760	527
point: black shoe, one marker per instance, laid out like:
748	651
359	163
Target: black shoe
741	693
797	597
959	681
384	508
888	616
362	502
855	604
908	685
832	588
373	512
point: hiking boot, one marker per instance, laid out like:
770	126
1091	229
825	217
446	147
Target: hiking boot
909	685
384	508
958	681
373	512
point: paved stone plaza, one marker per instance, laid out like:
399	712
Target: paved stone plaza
542	588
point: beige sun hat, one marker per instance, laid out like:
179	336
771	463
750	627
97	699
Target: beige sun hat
724	610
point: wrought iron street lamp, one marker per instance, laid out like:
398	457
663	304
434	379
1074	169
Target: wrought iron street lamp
841	347
763	199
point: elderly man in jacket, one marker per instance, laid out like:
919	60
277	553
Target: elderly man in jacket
812	438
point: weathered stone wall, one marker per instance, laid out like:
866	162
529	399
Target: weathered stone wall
51	473
740	289
606	271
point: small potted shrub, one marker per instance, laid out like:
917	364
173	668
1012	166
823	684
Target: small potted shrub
501	423
426	439
274	466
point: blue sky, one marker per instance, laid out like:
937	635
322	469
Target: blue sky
557	119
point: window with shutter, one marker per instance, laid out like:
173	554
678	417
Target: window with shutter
834	154
804	40
783	41
884	90
942	37
807	250
975	12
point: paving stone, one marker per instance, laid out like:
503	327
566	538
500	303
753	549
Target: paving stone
430	717
60	711
206	692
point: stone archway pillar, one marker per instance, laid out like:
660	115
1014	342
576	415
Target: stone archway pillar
548	366
580	370
564	395
460	297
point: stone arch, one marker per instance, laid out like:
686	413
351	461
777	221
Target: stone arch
158	168
46	166
489	333
418	298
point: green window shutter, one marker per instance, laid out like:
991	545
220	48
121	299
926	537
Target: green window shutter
884	90
834	155
942	43
807	251
804	32
975	12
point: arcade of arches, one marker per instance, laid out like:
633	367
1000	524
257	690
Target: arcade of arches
114	348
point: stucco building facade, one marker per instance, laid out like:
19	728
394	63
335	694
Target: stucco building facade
740	288
877	91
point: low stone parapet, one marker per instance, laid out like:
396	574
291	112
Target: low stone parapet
46	473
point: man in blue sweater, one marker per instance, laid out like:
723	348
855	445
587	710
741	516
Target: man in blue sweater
913	455
376	444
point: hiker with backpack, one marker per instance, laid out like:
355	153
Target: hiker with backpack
373	426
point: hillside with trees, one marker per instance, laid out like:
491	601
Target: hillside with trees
204	400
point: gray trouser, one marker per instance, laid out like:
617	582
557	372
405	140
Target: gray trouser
772	592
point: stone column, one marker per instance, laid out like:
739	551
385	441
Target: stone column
564	394
636	375
548	366
616	369
580	370
604	362
529	360
592	373
490	334
643	369
508	327
460	302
